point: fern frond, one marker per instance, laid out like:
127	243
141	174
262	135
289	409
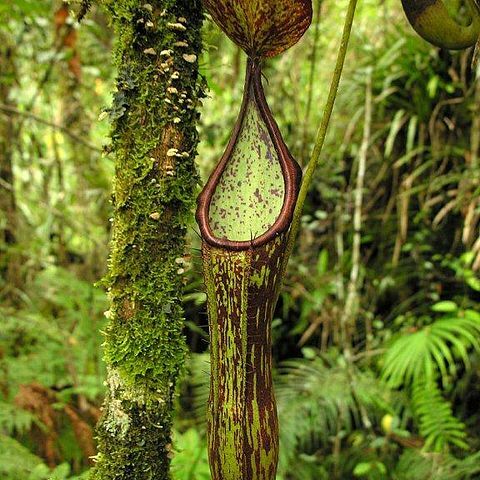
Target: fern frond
14	419
440	428
433	350
465	469
436	466
16	461
199	379
317	400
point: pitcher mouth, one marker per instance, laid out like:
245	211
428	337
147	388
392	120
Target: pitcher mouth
290	170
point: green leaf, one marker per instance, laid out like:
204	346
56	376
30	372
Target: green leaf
190	461
412	131
262	28
446	306
362	469
381	467
432	86
322	262
397	124
62	472
473	283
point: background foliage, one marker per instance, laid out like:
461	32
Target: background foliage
377	333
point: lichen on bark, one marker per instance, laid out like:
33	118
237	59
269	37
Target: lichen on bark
154	143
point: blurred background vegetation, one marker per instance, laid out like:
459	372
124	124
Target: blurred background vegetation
377	332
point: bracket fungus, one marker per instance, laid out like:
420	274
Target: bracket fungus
434	22
244	214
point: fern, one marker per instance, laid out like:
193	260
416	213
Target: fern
199	379
435	466
191	458
306	467
438	425
13	419
317	399
467	468
416	360
433	350
16	461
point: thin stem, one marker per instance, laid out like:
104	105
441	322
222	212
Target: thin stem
13	111
322	132
350	311
311	80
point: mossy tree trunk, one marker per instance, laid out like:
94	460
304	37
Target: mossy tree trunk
154	142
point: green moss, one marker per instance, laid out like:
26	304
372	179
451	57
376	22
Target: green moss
154	142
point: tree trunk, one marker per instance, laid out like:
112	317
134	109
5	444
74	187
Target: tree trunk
71	117
90	176
154	141
10	272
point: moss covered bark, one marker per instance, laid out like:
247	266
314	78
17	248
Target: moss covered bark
154	142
